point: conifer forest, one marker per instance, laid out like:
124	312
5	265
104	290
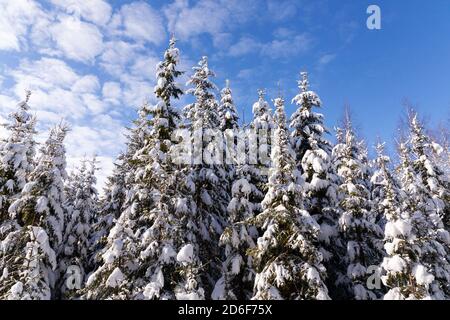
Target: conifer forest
204	205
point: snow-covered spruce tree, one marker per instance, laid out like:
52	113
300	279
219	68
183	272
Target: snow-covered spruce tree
167	258
144	227
262	126
112	277
238	272
82	209
401	242
287	259
432	176
29	254
425	230
110	207
209	175
228	116
359	235
313	156
16	158
430	193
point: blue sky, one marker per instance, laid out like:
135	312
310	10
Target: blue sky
92	62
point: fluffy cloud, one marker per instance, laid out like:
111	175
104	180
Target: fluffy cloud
57	88
16	18
140	22
78	40
112	92
96	11
207	16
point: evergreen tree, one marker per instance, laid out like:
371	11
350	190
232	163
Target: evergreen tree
111	205
424	194
262	126
313	156
16	158
29	254
227	110
82	210
146	233
208	174
117	260
236	282
401	243
287	259
360	244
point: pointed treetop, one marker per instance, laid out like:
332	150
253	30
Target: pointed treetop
24	104
227	83
280	91
172	41
204	61
27	95
59	131
380	148
280	115
261	93
303	82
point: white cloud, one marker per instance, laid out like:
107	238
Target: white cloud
117	56
284	47
282	9
326	59
16	17
112	92
96	11
89	84
78	40
207	16
136	91
145	67
140	22
245	46
57	88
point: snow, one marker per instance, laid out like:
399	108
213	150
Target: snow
152	290
397	228
16	290
167	253
422	276
115	278
394	264
236	264
186	254
41	204
219	290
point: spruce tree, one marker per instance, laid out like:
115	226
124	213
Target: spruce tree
208	174
228	116
236	282
359	244
313	158
82	210
29	254
110	206
16	158
262	126
425	196
401	242
287	259
117	260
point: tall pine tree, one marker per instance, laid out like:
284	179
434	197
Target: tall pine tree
287	260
